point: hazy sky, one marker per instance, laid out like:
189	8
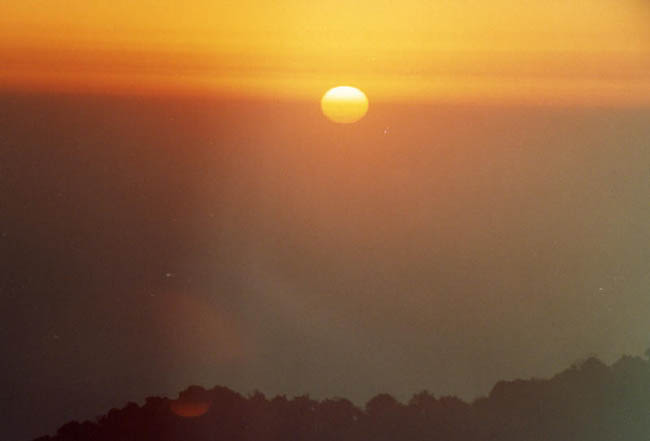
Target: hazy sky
149	244
175	209
586	51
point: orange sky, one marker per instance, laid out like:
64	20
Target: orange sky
588	51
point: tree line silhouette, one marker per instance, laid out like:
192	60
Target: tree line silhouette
590	401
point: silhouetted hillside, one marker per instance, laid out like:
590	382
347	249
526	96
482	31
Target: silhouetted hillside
589	401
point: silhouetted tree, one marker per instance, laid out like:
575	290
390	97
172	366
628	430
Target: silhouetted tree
590	401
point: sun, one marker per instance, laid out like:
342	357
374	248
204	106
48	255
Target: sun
344	104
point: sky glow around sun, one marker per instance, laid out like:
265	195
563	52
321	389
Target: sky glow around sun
586	52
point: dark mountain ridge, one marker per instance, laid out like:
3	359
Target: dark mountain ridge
589	401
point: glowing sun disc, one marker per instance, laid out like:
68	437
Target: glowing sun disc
344	104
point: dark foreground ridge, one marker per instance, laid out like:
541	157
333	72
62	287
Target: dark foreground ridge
589	401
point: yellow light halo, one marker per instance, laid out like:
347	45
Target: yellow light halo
344	104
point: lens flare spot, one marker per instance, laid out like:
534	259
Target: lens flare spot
192	403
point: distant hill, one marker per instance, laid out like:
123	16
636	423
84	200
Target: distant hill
590	401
